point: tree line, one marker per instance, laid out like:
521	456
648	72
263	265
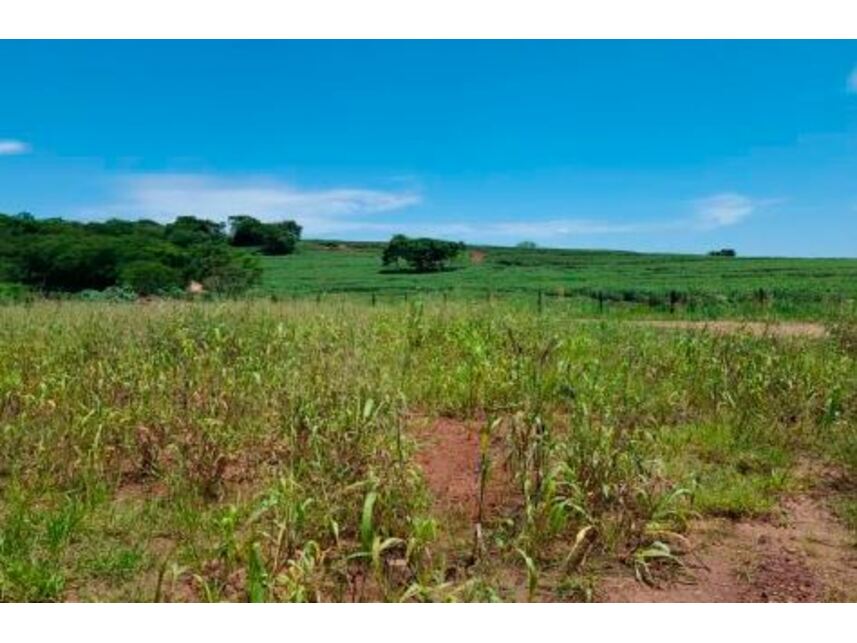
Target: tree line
145	257
57	255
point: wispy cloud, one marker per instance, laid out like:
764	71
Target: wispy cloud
851	83
358	212
164	196
542	230
9	147
572	227
721	210
707	213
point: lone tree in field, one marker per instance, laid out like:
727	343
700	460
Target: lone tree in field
723	252
423	255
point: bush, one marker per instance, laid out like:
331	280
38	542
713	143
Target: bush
723	252
150	277
221	269
14	293
112	294
423	255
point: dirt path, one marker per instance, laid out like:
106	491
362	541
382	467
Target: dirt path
803	555
759	329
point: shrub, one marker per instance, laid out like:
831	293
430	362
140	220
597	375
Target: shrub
113	294
150	277
14	292
221	269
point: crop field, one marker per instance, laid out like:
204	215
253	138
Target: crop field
429	449
622	283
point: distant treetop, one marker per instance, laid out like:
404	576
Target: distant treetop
723	252
271	238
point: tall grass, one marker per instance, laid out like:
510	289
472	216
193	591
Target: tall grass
261	451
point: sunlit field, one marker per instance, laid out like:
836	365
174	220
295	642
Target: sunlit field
435	450
587	281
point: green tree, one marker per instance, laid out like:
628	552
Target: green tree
422	255
245	231
278	238
150	277
55	255
187	231
222	269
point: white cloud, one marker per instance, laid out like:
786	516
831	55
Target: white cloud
10	146
164	196
354	212
545	230
851	83
567	227
712	212
721	210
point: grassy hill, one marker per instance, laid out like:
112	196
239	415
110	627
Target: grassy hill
628	281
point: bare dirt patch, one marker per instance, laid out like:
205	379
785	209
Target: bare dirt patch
140	491
449	456
477	257
802	555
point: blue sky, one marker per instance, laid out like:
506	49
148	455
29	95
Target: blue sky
645	145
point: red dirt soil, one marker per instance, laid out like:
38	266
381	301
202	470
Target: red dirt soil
476	257
805	556
449	457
